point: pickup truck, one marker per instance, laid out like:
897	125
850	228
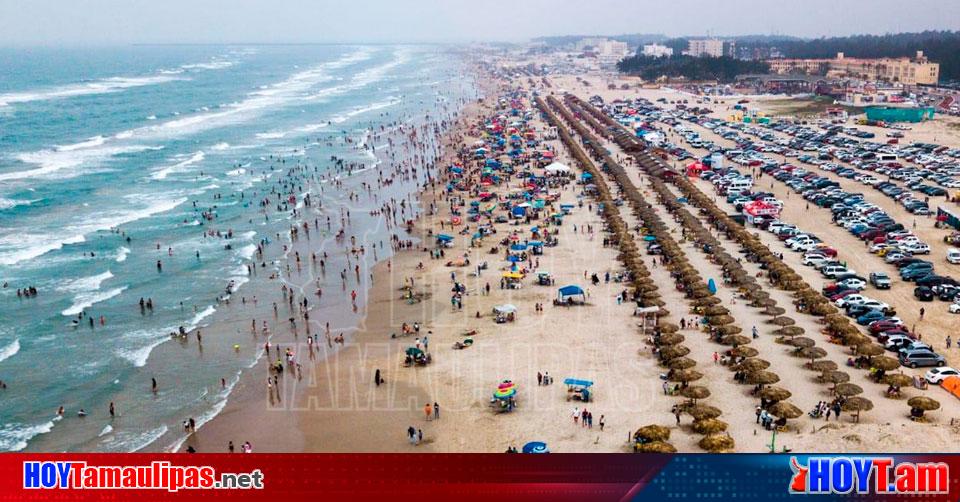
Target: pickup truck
880	280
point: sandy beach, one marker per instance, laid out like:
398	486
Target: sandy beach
335	404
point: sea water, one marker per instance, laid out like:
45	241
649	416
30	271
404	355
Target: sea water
102	155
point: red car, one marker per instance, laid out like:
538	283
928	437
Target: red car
841	294
884	325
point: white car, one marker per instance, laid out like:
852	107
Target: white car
880	246
814	259
853	283
853	299
954	308
936	375
875	304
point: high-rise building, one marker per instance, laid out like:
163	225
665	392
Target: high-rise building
709	47
908	71
657	50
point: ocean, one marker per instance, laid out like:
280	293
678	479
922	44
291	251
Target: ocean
109	162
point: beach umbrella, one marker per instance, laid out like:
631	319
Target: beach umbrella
536	447
681	363
673	352
655	447
855	405
716	443
709	426
869	349
729	329
743	351
812	353
884	363
789	331
847	389
762	377
716	310
766	302
855	339
898	380
835	377
720	320
924	403
783	321
670	339
653	433
735	340
822	365
709	300
751	365
774	311
704	411
775	394
687	375
695	392
784	409
801	342
669	328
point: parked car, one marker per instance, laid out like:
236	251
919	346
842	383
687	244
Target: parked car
936	375
923	293
880	280
921	357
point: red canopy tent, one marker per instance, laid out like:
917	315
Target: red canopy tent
759	209
694	169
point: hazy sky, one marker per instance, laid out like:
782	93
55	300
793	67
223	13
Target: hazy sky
69	22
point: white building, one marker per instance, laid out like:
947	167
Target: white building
657	50
710	47
608	52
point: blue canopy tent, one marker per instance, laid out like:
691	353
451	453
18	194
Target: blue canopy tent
580	388
536	447
514	258
566	293
444	240
586	176
518	247
518	212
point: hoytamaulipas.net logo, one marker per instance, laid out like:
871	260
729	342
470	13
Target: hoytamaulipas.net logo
862	475
159	475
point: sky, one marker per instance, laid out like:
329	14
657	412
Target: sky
107	22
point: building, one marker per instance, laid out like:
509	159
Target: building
709	47
907	71
657	51
608	52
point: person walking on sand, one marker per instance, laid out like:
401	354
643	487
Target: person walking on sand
427	411
376	377
540	375
411	435
436	410
716	357
419	436
576	415
601	423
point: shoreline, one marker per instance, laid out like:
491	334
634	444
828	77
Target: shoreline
248	406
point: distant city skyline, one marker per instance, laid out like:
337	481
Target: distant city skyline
98	22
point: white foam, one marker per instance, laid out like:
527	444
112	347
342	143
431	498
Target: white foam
199	316
107	429
82	284
10	350
178	167
28	246
103	86
130	441
92	142
86	300
122	254
236	172
212	65
53	162
12	203
17	246
246	252
14	437
220	146
138	356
